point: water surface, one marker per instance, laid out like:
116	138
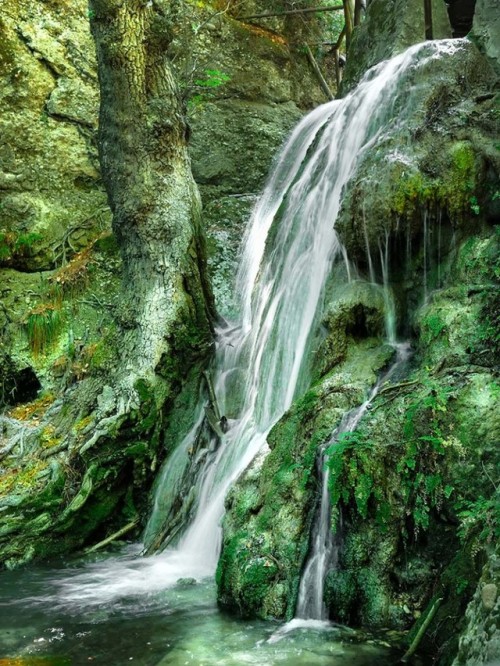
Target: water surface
97	612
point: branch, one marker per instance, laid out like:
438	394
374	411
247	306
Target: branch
113	537
319	74
420	634
290	12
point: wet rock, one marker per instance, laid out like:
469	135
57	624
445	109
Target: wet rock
486	30
269	511
489	596
480	639
390	27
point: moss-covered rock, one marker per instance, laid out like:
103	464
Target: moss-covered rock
446	173
52	199
270	510
480	641
389	28
486	30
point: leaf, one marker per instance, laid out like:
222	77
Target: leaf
448	491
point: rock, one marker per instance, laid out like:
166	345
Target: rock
269	511
489	596
234	142
486	30
48	115
480	638
390	27
186	582
74	100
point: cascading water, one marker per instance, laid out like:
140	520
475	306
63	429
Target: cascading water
325	544
261	363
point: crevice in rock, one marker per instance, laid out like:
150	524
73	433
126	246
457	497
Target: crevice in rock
461	13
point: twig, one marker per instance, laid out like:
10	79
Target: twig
489	477
113	537
393	387
290	12
211	393
318	72
423	628
53	450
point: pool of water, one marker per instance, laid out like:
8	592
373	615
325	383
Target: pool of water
122	609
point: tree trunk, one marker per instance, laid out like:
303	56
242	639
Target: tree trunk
155	202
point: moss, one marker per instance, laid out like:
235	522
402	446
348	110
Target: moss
33	410
28	477
8	56
48	437
458	188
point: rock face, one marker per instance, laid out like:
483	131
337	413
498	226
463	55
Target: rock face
486	30
480	642
271	509
238	125
390	28
49	178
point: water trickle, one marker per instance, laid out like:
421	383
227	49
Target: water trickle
325	545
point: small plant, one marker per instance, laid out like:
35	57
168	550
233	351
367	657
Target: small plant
422	462
213	79
43	326
71	279
21	245
480	520
474	205
350	461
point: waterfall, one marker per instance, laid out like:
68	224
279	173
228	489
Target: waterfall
325	545
288	251
261	361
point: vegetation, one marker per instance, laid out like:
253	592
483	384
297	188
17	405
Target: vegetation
43	325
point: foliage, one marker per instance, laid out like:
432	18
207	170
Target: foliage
43	325
212	79
14	245
480	520
350	461
422	461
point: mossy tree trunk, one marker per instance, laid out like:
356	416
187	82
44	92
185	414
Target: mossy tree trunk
155	202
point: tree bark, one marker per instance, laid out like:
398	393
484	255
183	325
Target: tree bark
152	194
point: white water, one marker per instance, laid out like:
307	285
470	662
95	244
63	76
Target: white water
261	362
325	545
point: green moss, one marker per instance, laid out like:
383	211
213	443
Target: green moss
413	190
459	182
7	52
432	327
17	481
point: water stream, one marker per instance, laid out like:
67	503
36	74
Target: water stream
324	543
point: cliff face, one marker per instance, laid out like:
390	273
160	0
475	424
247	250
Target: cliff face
63	311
